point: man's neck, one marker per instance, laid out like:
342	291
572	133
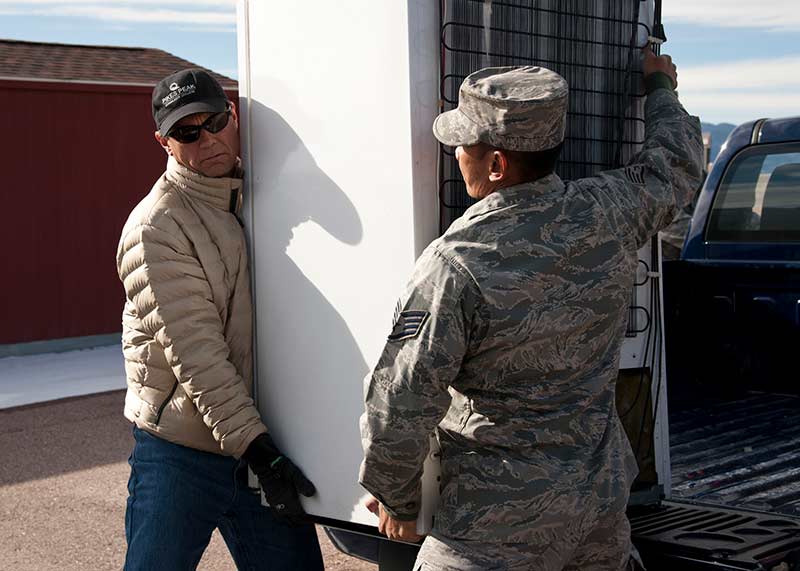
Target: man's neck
235	171
516	180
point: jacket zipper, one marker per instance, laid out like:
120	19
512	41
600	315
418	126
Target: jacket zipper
164	404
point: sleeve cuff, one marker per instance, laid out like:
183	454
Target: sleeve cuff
657	80
399	516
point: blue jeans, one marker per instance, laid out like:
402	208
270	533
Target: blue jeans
178	496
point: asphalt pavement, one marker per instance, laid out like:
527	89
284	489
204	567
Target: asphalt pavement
63	477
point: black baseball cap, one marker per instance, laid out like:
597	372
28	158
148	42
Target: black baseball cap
183	93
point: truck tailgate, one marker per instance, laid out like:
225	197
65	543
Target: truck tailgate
681	536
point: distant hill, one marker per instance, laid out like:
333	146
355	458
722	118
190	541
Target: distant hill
719	133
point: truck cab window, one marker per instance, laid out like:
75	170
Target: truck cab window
759	197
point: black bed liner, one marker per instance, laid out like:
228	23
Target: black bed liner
739	453
735	488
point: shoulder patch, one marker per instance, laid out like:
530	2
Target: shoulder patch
635	174
408	324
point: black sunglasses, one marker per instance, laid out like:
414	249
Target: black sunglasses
190	133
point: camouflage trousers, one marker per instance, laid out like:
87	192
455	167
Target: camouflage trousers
605	546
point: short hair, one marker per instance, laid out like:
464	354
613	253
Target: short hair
534	164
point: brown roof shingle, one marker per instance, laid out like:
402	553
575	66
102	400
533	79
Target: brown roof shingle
106	64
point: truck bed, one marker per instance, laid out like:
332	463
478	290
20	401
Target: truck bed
735	488
738	453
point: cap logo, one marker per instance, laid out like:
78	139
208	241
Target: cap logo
177	93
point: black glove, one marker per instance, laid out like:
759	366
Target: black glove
280	479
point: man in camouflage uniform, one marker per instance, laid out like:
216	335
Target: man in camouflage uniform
508	336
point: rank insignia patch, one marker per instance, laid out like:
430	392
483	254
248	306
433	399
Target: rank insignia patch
408	324
634	174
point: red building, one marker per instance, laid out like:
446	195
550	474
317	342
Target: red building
77	153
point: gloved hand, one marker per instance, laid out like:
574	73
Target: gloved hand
280	480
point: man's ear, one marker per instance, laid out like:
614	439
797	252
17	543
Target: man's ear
234	114
499	168
163	142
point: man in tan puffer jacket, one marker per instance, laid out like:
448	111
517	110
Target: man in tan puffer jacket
187	341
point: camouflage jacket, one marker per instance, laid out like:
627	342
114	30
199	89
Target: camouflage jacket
508	338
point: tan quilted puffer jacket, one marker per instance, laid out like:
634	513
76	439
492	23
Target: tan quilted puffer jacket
187	322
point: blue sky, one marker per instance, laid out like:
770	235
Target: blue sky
736	60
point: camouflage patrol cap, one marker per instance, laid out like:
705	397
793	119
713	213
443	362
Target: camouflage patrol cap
514	108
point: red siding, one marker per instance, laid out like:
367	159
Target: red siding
76	159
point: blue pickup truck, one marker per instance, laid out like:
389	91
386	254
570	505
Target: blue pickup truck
740	326
732	320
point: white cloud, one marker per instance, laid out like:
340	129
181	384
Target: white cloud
164	3
150	16
774	73
207	29
769	14
761	104
742	90
218	15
